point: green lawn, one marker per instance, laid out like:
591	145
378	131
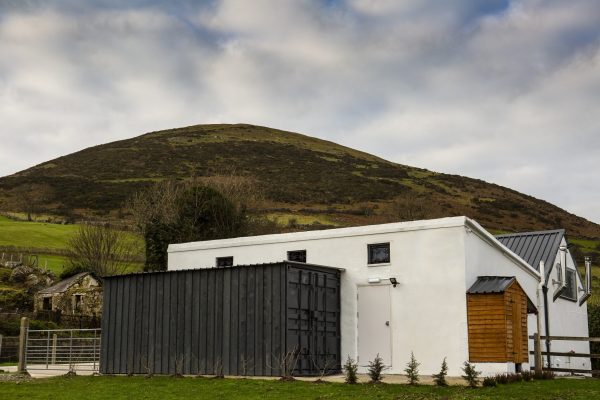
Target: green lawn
114	388
37	235
52	262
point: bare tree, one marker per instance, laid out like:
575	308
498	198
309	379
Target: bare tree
246	364
285	363
324	366
244	192
218	368
155	204
101	250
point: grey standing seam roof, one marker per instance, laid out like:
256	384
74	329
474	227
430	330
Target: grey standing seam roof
534	247
491	284
497	284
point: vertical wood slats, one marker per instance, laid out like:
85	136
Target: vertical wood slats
233	320
497	325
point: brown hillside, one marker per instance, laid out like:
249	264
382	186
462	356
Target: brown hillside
303	177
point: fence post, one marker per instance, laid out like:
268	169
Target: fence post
22	366
537	347
54	343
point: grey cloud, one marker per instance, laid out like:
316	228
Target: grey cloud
504	91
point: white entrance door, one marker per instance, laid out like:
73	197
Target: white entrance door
374	330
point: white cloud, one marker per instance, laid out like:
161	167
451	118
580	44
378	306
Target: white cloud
502	91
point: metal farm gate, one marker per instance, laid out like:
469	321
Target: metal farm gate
62	349
241	320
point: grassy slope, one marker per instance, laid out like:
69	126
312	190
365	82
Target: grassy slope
46	240
306	180
35	234
300	175
115	388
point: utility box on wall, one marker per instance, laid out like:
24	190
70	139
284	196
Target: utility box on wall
240	320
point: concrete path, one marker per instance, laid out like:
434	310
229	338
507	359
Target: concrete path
40	371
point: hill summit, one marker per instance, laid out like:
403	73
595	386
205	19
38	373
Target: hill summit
303	178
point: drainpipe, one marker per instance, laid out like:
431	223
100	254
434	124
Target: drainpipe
538	292
547	320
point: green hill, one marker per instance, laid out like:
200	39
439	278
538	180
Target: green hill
304	179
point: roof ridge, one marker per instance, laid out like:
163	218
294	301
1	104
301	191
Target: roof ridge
559	230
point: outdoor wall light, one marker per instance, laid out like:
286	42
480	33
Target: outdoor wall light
374	280
393	281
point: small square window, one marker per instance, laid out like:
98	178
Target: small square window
297	255
570	291
379	253
223	262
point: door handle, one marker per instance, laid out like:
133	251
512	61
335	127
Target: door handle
387	323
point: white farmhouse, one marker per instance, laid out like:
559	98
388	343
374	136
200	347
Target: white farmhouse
563	307
439	288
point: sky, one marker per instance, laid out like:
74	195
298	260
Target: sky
504	91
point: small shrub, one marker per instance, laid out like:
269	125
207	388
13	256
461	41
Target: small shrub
489	381
412	370
440	377
501	379
375	369
544	375
350	370
471	375
527	376
512	378
5	274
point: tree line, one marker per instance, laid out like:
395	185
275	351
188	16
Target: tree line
171	211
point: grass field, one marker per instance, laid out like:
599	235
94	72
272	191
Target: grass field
36	235
43	239
163	388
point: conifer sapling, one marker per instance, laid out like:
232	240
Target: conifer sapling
412	370
440	377
350	369
375	369
471	375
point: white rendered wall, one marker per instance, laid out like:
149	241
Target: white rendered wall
566	319
484	259
428	306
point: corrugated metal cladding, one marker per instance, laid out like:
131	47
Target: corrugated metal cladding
241	319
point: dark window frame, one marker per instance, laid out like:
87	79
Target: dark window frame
302	254
224	262
372	260
570	291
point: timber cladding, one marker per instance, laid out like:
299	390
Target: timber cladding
234	321
498	325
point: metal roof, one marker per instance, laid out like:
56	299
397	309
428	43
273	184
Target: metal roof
497	284
534	247
275	263
491	284
64	284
